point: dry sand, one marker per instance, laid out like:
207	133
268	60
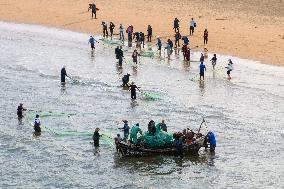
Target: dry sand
252	29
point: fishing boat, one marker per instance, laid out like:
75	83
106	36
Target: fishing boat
127	149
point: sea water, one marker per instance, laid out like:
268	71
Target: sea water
246	114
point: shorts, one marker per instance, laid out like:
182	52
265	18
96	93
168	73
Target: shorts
159	48
201	74
191	28
92	45
228	72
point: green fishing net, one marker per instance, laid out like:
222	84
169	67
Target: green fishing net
159	140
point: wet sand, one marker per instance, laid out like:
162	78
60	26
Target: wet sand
248	29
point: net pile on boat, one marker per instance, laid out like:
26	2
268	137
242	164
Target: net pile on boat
159	140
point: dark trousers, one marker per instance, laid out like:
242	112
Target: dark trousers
149	37
205	40
105	33
133	95
191	30
120	61
94	13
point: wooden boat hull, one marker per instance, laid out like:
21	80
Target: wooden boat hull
129	150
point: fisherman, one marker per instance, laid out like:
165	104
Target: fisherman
212	141
136	36
179	147
133	88
164	126
201	58
116	52
121	33
20	110
184	51
205	36
129	31
168	48
120	56
135	55
125	129
187	54
117	140
37	124
176	25
159	44
63	74
142	39
105	32
92	42
177	38
171	44
125	80
192	26
229	68
151	128
185	40
214	61
111	28
96	137
94	10
149	33
202	68
133	133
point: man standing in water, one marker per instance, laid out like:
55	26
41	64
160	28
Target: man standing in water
133	88
96	137
159	44
20	110
120	56
229	68
37	124
125	80
125	129
202	68
92	42
214	61
63	74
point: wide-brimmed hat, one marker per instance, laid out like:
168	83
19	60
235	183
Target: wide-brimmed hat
125	121
97	129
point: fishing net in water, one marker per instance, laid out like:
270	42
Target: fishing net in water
160	139
111	42
147	53
151	96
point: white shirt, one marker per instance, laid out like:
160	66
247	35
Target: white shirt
37	120
192	23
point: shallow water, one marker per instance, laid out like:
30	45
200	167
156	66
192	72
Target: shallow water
246	114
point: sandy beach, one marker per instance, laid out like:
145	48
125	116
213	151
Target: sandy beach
248	29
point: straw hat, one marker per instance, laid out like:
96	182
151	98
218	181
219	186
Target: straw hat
97	129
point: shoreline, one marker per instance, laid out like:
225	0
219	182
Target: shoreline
260	37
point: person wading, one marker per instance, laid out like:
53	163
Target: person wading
132	89
63	74
202	68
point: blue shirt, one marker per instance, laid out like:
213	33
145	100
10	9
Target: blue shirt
159	42
126	128
185	40
202	68
212	139
92	40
